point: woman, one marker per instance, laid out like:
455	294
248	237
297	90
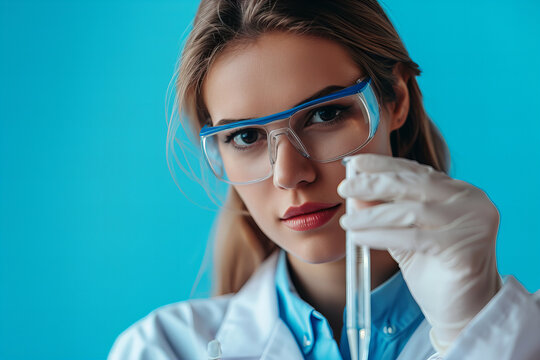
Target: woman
280	92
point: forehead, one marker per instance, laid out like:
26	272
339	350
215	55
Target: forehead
274	73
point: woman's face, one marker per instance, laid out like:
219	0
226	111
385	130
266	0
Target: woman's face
273	74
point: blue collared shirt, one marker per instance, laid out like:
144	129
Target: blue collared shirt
394	315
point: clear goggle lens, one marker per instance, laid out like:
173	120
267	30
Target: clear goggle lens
324	132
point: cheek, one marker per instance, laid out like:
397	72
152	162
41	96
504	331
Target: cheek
332	174
249	196
380	144
257	202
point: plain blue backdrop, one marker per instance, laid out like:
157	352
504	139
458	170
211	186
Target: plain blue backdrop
94	233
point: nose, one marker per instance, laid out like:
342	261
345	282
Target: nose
291	168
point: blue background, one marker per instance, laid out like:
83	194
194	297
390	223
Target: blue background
94	233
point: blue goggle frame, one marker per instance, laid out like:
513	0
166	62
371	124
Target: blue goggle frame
354	89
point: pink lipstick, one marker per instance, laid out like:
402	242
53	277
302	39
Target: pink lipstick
309	216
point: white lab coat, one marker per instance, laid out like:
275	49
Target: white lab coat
248	326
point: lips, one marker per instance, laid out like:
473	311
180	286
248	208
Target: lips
309	216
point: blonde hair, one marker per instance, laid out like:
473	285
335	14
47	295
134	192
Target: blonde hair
362	28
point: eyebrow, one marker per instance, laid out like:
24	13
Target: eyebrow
327	90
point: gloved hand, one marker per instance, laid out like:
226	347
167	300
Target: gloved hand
441	231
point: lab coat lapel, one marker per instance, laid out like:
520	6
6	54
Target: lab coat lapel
418	346
252	327
281	345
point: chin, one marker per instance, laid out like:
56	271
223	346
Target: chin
319	251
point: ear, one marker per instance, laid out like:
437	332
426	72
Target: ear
399	108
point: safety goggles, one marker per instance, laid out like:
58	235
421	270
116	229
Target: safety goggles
323	130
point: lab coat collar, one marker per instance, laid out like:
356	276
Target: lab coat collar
252	327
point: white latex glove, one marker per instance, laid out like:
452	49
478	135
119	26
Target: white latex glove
441	231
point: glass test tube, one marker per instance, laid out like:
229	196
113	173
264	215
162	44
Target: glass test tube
358	313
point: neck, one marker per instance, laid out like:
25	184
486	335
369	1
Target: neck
323	286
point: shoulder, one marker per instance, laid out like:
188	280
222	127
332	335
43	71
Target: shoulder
176	331
182	330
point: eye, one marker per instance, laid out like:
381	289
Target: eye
244	137
326	114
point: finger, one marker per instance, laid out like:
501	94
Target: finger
402	214
374	163
405	185
401	239
427	241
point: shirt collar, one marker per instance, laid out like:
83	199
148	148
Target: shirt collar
393	308
292	309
